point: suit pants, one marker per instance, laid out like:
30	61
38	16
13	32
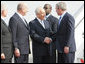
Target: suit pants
6	61
22	59
66	58
44	59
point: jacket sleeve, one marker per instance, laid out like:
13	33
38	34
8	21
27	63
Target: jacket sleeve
34	35
13	27
1	42
70	31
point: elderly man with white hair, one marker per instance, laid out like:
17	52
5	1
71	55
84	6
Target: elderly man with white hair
40	32
65	42
6	38
20	33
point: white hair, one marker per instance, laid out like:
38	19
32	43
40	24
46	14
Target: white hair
38	9
3	7
61	5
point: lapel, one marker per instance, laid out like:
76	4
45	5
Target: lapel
4	23
19	19
46	24
62	21
38	23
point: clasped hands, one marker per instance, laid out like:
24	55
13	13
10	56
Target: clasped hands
47	40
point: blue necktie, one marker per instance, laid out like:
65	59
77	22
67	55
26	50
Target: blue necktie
59	22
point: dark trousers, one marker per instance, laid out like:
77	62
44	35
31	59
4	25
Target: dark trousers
6	61
22	59
44	59
66	58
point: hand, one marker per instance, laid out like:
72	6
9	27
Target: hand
47	40
66	49
2	56
17	52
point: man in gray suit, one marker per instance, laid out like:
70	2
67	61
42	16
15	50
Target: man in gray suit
6	38
20	32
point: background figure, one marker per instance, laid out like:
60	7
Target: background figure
20	32
65	35
53	24
6	38
41	39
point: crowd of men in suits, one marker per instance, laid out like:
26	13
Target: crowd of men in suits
48	34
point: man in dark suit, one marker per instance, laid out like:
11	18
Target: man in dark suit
53	23
40	32
65	35
6	38
20	32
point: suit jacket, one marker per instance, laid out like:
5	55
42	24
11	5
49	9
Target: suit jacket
53	23
38	34
65	34
6	41
20	34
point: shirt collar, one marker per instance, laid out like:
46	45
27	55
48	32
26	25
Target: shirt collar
19	15
63	14
2	18
39	19
48	15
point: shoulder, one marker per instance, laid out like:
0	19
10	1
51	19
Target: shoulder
69	16
33	22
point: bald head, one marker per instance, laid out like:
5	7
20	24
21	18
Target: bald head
3	10
47	8
40	13
22	8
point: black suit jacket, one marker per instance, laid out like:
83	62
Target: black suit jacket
20	34
65	34
6	41
38	34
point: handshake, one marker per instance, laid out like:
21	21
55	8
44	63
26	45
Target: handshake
47	40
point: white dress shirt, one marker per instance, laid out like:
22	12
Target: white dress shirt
4	20
47	16
22	17
41	22
63	15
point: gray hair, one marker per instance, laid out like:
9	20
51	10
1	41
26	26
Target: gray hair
38	9
3	7
61	5
21	5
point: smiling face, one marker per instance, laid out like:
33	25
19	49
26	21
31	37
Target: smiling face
41	15
59	11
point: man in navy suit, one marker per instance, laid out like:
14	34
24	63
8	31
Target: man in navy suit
20	33
40	32
65	42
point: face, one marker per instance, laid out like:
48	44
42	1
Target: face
5	12
47	9
58	10
24	11
41	15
